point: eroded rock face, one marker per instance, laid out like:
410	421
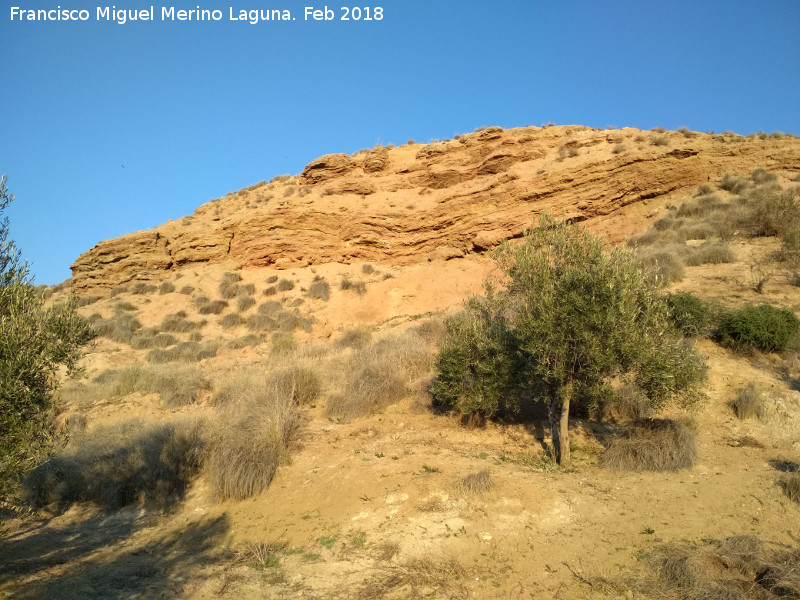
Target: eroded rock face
439	201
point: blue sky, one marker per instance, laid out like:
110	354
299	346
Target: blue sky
194	110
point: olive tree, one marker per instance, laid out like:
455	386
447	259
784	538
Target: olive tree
36	343
573	315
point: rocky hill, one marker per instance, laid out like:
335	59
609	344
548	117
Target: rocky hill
441	200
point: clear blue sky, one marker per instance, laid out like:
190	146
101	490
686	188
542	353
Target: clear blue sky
194	110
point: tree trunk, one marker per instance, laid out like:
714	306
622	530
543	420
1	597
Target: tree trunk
559	423
552	411
563	436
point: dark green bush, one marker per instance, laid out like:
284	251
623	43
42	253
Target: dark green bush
763	327
689	313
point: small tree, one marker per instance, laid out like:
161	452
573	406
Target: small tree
574	315
34	344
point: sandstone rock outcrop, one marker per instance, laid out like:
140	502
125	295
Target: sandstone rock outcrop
442	200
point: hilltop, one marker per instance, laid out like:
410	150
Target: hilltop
254	420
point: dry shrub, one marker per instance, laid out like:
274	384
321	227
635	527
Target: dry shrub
737	568
355	337
260	323
244	303
284	285
177	386
114	466
186	352
475	484
749	403
178	323
230	277
652	445
430	331
140	287
283	343
378	376
119	328
253	440
186	290
124	306
117	291
270	307
271	291
710	253
359	287
320	289
733	184
791	487
250	339
231	320
368	269
425	577
211	307
146	339
664	264
628	403
166	287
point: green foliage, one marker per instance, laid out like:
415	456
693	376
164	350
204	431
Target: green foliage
35	342
689	313
573	316
763	327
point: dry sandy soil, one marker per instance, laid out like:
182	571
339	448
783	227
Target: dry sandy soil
378	507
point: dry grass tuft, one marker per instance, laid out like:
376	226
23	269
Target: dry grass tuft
178	323
791	487
252	441
115	466
355	337
425	577
740	567
320	289
475	484
749	403
176	386
652	445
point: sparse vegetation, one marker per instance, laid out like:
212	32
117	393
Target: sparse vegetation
166	287
652	445
141	287
359	287
178	323
114	466
284	285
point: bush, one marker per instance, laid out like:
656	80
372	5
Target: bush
151	338
733	184
271	291
186	352
261	323
243	303
284	285
36	345
119	328
176	386
212	307
761	176
114	466
710	253
231	320
659	140
166	287
763	327
652	445
319	288
689	313
355	337
663	266
791	487
141	287
252	442
359	287
749	403
573	315
245	341
186	290
282	343
178	323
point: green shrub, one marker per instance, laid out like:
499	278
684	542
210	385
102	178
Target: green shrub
37	346
763	327
749	403
652	445
119	465
689	313
573	315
